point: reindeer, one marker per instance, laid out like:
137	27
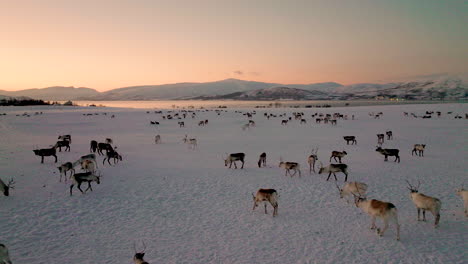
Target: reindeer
464	195
91	157
380	139
418	149
389	135
88	166
104	146
138	257
303	121
93	146
351	188
68	166
389	152
338	154
63	143
4	255
334	168
5	188
181	124
65	137
351	139
251	123
246	126
157	139
262	160
201	123
425	202
312	159
375	208
112	154
266	195
284	122
46	153
88	177
290	166
232	158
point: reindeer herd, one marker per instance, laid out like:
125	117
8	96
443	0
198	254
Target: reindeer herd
386	211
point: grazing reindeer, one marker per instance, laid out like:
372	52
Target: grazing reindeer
290	166
5	188
157	139
266	195
338	154
68	166
112	155
65	137
201	123
138	258
312	159
389	152
418	149
63	143
380	139
351	188
88	166
88	177
91	157
232	158
389	135
104	146
464	195
425	202
262	160
93	146
4	255
375	208
351	139
46	153
334	168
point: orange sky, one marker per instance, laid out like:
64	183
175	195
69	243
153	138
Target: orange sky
110	44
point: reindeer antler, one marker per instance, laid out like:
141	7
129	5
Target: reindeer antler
11	184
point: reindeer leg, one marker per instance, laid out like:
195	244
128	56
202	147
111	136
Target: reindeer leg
437	219
373	223
418	213
381	232
254	206
108	161
329	174
71	188
55	158
424	215
265	208
334	175
346	177
42	159
242	164
79	187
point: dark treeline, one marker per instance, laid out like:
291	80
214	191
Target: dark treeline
22	102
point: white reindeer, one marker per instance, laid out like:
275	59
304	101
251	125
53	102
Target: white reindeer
290	166
266	195
375	208
425	202
5	188
464	195
352	188
88	166
4	255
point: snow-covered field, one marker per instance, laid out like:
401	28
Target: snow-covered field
188	208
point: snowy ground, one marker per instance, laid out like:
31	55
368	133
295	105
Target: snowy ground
188	208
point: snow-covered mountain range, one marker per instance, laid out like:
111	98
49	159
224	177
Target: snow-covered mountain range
442	88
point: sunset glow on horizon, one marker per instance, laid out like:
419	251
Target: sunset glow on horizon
111	44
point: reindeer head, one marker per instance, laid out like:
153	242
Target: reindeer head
9	186
358	199
379	149
412	188
322	169
141	254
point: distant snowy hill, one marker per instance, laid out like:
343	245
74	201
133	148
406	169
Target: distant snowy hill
53	93
274	93
437	88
